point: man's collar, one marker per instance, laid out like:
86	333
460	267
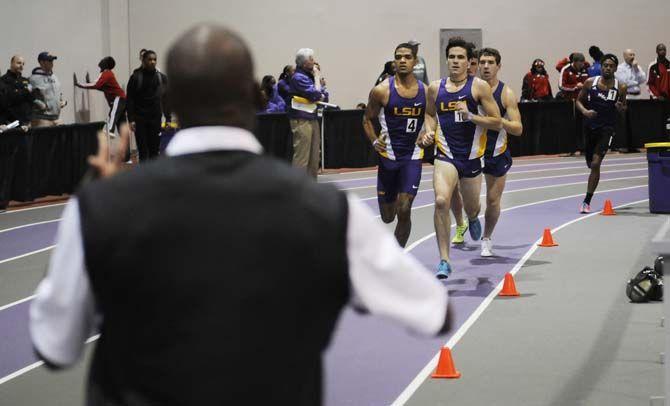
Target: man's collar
213	138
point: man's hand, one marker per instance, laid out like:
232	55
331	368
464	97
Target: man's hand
132	126
101	162
323	82
590	114
580	85
620	106
379	145
426	139
462	106
25	128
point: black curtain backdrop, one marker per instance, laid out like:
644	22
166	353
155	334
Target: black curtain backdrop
274	133
45	161
548	128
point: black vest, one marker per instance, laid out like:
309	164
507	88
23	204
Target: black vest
220	277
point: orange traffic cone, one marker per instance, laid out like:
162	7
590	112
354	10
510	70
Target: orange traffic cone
608	210
445	366
509	287
547	239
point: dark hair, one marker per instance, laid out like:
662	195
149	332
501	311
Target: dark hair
107	63
612	57
491	52
577	56
285	72
388	71
475	52
595	53
535	70
413	48
458	42
267	86
147	53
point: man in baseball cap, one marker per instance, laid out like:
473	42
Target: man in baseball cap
46	56
48	105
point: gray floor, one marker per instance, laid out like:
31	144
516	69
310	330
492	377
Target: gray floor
572	338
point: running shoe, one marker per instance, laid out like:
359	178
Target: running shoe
443	270
487	245
475	229
459	238
585	208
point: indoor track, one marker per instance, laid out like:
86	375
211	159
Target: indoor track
572	338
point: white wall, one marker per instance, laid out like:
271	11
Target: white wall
354	38
71	30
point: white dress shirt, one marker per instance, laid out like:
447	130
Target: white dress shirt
384	279
632	77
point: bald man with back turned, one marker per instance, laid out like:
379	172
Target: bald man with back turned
241	261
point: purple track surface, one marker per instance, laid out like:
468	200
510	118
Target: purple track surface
371	360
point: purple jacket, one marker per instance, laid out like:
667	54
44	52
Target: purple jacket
275	104
284	90
302	84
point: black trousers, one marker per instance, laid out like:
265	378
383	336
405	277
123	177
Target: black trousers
147	130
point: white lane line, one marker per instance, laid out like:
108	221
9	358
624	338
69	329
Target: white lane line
27	254
532	188
25	299
519	180
32	366
428	369
560	161
32	208
512	172
539	202
29	225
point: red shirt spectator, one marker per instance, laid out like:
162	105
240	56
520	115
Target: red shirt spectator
108	84
659	75
568	59
536	84
106	81
572	77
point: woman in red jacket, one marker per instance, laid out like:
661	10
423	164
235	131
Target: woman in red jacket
116	97
536	84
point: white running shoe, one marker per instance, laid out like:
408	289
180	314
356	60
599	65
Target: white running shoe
487	244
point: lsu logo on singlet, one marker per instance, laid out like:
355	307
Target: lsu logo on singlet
456	136
408	111
401	121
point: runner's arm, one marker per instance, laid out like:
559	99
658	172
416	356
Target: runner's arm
430	119
481	91
581	99
511	124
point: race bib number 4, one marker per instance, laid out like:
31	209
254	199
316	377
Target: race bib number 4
411	125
